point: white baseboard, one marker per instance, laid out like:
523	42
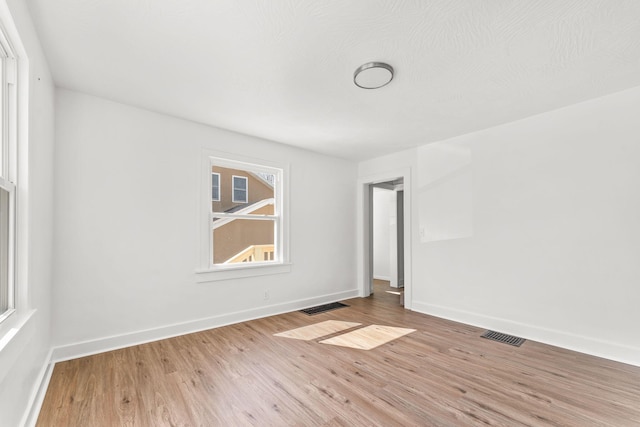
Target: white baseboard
100	345
35	401
386	278
579	343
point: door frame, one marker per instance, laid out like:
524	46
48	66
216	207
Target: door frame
365	231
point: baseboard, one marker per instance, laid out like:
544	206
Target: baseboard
579	343
37	397
100	345
385	278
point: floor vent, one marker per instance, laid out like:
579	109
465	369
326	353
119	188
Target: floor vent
504	338
322	308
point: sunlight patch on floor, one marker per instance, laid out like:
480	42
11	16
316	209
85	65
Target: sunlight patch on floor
369	337
317	330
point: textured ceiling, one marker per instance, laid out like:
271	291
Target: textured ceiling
283	70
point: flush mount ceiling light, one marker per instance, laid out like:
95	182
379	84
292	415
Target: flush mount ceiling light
373	75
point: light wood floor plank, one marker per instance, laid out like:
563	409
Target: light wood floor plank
443	374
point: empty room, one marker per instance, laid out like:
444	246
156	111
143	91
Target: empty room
319	213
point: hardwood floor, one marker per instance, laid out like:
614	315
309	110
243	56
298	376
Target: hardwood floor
443	374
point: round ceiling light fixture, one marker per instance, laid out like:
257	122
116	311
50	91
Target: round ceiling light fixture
373	75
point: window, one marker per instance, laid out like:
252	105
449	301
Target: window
8	172
215	187
246	233
240	189
245	229
242	239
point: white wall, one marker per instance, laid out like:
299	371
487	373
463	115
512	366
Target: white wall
382	200
546	239
23	360
126	227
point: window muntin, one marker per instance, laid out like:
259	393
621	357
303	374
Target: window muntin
240	189
215	187
246	227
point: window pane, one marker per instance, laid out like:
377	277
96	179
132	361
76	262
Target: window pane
240	183
4	250
239	195
242	190
215	186
243	240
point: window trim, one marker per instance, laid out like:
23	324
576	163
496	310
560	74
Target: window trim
206	270
233	189
212	198
8	164
17	172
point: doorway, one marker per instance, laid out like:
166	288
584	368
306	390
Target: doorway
387	239
398	223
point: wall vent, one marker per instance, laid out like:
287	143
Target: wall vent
503	338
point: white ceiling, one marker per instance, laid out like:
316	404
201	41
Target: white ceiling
283	69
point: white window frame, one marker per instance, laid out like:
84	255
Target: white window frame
213	199
233	189
15	173
208	271
8	114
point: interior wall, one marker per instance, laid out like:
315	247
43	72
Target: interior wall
127	211
531	228
381	233
23	359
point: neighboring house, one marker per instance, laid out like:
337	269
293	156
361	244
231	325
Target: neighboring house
248	193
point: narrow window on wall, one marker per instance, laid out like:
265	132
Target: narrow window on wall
246	227
215	187
240	189
8	161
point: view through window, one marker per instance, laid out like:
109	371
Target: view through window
246	217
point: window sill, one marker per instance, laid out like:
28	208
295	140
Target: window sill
216	274
11	328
